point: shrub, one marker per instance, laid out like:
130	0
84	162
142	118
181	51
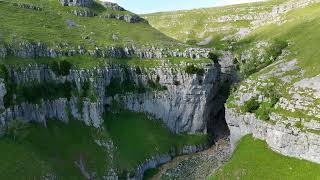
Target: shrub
263	113
88	92
214	57
251	105
156	86
61	68
299	125
276	48
191	69
50	90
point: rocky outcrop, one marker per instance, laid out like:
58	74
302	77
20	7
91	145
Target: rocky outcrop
274	16
130	18
287	140
84	3
228	68
32	50
199	165
60	109
83	13
184	105
113	6
28	6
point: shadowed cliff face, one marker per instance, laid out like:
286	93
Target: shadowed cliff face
217	126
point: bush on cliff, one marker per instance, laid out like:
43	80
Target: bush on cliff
191	69
214	57
61	68
251	105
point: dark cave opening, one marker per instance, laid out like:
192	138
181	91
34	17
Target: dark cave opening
217	127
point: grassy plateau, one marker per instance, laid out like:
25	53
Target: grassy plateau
254	160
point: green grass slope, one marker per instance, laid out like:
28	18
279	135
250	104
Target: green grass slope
196	25
254	160
52	151
49	26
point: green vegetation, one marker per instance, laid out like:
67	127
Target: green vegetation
117	86
61	65
214	57
35	92
192	69
257	62
16	129
193	26
52	151
49	26
251	105
150	173
138	137
299	28
254	160
61	68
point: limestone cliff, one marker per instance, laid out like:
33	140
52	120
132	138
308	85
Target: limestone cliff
289	141
182	101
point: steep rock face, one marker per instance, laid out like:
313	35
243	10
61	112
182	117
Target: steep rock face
289	141
60	109
84	3
184	107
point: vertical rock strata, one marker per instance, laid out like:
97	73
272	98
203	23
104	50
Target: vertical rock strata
183	105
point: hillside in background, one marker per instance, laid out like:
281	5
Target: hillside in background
219	26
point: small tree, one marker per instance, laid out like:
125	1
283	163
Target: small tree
16	128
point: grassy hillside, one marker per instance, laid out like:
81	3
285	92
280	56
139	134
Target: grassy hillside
194	26
300	31
51	151
51	25
254	160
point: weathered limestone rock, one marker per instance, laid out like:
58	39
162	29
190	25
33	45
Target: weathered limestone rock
32	50
113	6
3	92
84	3
289	141
28	6
130	18
184	107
